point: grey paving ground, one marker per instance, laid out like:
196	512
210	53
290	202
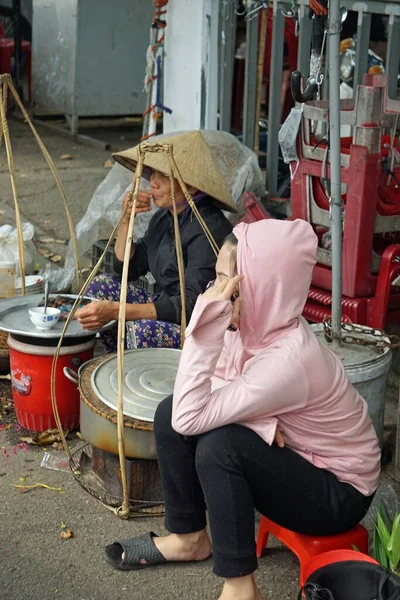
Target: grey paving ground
35	564
39	198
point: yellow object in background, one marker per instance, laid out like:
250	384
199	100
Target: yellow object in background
346	44
376	70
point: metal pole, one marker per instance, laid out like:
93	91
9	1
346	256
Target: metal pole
250	81
334	138
274	100
393	54
305	35
363	34
16	9
260	76
228	38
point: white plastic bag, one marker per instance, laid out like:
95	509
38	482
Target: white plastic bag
9	246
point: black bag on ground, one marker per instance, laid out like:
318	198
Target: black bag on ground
351	580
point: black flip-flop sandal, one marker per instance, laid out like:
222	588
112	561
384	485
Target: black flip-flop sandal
137	548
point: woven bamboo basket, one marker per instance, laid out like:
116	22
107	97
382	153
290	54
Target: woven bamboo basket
98	471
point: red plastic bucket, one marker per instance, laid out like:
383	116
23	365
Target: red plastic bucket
30	380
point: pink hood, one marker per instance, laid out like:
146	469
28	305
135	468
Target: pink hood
277	259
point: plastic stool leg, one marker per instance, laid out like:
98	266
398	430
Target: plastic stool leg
303	571
262	538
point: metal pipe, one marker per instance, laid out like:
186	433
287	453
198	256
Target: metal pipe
393	54
304	45
227	50
250	81
16	11
274	101
334	138
363	35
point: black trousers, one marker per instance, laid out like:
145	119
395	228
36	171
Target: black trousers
231	471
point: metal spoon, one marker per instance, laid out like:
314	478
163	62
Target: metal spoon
46	295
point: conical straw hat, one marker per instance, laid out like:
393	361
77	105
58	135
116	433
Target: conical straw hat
196	160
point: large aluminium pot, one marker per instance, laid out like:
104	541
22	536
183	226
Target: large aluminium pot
98	419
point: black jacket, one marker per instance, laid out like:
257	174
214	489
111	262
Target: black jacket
155	252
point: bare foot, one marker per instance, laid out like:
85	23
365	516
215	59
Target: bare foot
183	547
241	588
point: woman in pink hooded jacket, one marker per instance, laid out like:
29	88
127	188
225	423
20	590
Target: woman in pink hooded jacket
262	418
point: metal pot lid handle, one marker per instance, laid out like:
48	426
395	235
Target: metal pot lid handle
71	375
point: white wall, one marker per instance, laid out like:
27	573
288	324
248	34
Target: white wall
191	65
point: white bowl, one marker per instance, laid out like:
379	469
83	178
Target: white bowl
44	321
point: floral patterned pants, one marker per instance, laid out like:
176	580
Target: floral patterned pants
139	334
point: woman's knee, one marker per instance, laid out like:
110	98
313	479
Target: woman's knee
216	447
162	418
103	287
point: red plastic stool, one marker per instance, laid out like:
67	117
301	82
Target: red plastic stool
307	546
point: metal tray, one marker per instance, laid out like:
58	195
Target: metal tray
149	377
14	318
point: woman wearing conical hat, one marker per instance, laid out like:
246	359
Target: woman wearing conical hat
153	320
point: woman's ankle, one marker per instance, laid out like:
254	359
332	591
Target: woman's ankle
240	588
187	547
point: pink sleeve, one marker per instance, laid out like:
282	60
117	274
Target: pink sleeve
271	385
218	378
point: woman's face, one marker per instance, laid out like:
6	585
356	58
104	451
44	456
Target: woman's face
161	190
226	263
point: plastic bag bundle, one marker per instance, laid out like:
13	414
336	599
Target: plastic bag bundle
237	163
9	246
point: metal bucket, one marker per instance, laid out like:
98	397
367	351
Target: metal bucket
368	370
98	423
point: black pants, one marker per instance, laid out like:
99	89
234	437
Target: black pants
231	470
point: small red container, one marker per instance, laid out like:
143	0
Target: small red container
30	378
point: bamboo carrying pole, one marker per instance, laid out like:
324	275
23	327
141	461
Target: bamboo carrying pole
5	82
124	510
179	256
335	150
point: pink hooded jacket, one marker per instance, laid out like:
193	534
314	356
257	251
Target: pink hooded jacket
274	370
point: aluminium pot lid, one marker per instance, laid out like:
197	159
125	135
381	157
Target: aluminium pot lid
149	377
14	318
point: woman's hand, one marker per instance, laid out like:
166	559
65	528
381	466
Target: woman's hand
223	290
143	204
96	314
278	439
227	290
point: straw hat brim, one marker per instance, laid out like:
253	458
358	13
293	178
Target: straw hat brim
194	159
